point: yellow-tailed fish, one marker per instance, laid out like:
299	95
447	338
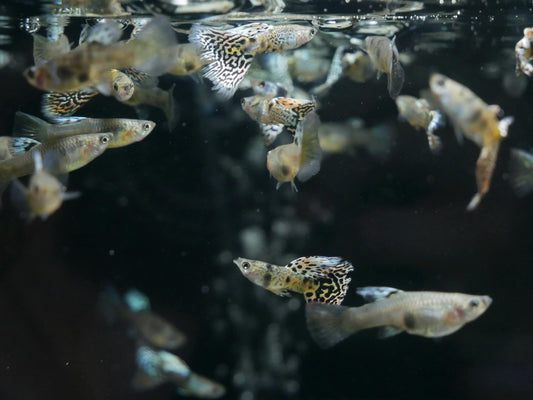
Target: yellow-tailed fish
60	156
90	62
230	51
14	146
476	120
124	131
320	279
523	53
384	55
43	196
277	110
428	314
300	159
521	172
419	115
158	367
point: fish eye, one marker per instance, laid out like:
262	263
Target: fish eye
146	126
474	303
245	265
262	84
104	139
30	72
313	31
243	101
440	81
115	86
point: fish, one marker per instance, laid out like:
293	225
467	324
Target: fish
277	110
44	195
45	49
299	159
124	131
419	115
60	156
476	120
521	172
523	53
358	66
267	88
88	64
230	52
149	327
157	367
14	146
384	55
427	314
320	279
187	59
348	136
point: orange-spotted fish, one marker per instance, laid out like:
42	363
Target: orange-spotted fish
320	279
419	115
300	159
230	52
124	131
277	110
89	63
476	120
44	195
523	53
156	367
428	314
384	55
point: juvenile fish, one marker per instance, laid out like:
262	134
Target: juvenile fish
299	159
417	112
230	52
124	131
87	64
476	120
384	55
523	53
61	156
158	367
44	194
428	314
320	279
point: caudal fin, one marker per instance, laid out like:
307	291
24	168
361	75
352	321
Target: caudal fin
57	104
325	323
200	386
311	150
29	126
521	172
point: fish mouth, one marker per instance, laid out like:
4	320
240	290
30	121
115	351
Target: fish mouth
487	300
236	262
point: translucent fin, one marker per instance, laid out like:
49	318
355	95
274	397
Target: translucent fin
311	150
504	124
136	300
200	386
56	104
484	168
434	141
37	161
143	381
20	145
396	76
18	194
325	323
105	32
329	274
45	49
388	331
68	120
29	126
521	172
171	109
376	293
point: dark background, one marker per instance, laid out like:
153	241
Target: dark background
165	216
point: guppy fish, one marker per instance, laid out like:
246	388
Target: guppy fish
523	53
428	314
521	172
61	156
43	196
320	279
478	121
384	55
158	367
299	159
230	52
124	131
88	63
417	112
277	110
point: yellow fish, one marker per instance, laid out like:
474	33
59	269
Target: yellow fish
476	120
318	278
428	314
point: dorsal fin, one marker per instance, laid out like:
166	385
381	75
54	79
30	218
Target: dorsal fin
377	293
